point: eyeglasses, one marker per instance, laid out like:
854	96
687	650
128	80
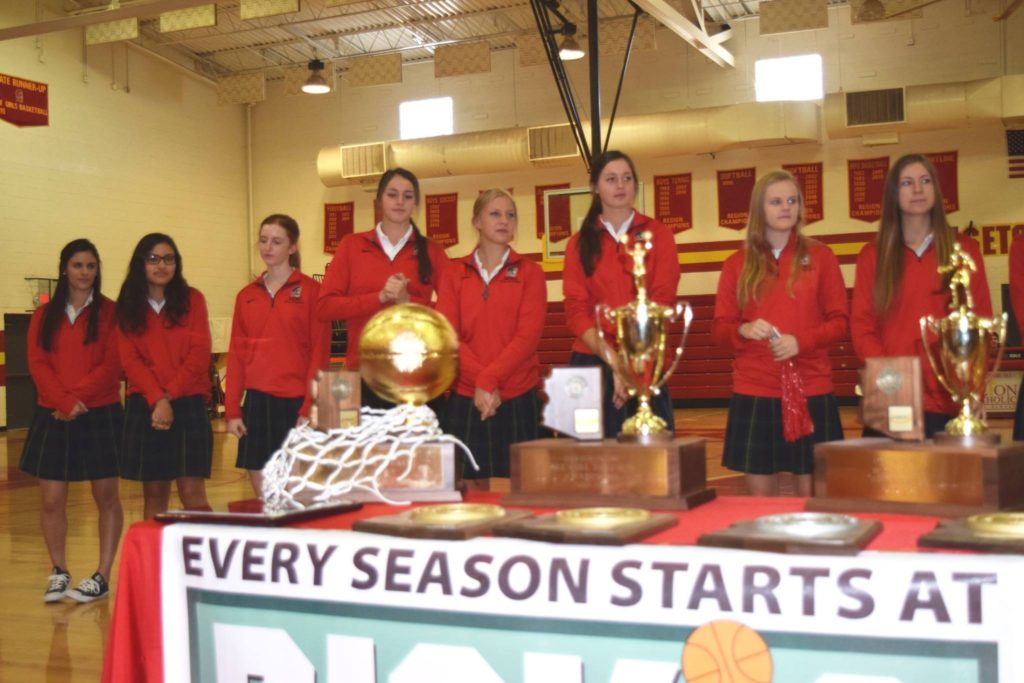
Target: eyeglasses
168	259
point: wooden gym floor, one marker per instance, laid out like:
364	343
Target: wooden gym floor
64	642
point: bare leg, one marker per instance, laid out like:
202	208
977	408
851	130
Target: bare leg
108	502
192	491
803	485
763	484
156	496
54	517
256	479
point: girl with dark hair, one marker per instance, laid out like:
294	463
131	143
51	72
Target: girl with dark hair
75	433
781	299
496	300
277	345
391	264
598	270
897	280
164	340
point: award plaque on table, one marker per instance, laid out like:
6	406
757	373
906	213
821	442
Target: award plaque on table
892	402
1000	532
598	525
454	522
802	533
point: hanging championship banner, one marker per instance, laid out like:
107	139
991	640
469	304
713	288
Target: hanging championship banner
866	179
734	188
538	195
809	176
443	218
23	102
338	222
946	168
673	201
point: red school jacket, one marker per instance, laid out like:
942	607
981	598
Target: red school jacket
612	280
816	314
277	344
499	325
1017	280
73	371
921	292
358	272
169	359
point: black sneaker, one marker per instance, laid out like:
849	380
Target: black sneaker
59	582
93	588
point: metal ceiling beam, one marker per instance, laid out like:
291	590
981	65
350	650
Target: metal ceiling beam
709	46
143	9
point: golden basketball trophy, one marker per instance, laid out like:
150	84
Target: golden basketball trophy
641	336
967	344
964	470
647	467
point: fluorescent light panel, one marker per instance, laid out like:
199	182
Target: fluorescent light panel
789	79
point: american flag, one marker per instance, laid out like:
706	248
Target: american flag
1015	152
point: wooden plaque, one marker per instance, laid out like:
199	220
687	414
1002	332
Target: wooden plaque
561	473
574	406
336	396
944	479
955	533
893	403
254	516
747	535
405	524
549	528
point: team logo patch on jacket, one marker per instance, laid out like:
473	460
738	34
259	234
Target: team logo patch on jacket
296	292
511	272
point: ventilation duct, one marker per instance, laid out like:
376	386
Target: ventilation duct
353	162
752	124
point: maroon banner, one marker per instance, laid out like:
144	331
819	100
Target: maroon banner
673	201
338	222
734	188
538	195
443	218
24	103
946	168
866	178
809	176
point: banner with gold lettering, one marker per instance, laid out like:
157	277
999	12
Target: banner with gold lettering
673	201
24	102
866	179
809	176
338	222
946	167
538	194
734	188
443	218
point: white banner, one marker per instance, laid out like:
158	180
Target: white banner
335	599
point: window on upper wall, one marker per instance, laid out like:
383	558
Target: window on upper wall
425	118
789	78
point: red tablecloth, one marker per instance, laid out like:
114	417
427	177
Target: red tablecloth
135	648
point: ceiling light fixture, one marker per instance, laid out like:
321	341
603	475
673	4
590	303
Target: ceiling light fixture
569	49
316	84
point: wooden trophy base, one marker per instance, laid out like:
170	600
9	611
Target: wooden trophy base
564	473
943	479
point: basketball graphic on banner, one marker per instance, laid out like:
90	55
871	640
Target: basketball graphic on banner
724	650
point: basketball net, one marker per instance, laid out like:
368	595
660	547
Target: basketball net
314	468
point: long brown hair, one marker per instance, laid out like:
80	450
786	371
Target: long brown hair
424	267
54	311
889	244
291	228
590	230
759	263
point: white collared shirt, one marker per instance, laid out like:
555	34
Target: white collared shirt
777	252
925	243
483	271
622	229
72	313
157	306
392	249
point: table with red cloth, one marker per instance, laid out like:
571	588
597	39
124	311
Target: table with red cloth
135	648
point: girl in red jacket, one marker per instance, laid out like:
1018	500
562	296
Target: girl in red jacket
277	345
496	300
164	340
897	280
781	299
391	264
1017	303
598	269
76	430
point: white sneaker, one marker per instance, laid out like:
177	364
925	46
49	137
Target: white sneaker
59	582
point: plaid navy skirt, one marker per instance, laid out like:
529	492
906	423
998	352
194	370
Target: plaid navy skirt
84	449
661	404
517	419
753	435
184	450
268	419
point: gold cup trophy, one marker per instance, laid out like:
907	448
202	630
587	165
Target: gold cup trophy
641	339
967	345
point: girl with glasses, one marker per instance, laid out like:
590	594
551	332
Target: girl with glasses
75	433
164	340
